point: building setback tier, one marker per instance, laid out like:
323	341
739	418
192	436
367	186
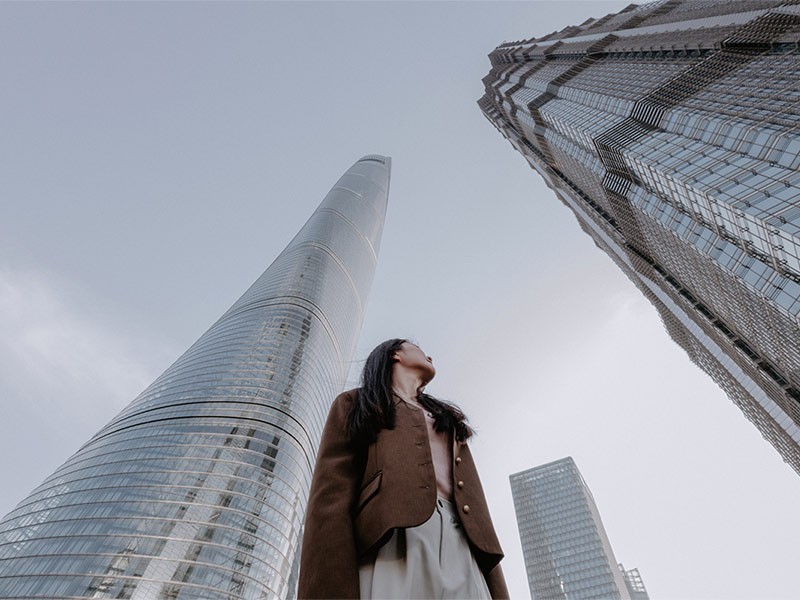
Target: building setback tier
671	131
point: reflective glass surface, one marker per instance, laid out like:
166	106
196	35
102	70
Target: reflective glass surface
671	130
566	550
198	488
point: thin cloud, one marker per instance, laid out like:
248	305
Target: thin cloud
63	373
52	346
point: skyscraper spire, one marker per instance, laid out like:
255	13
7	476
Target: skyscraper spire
198	488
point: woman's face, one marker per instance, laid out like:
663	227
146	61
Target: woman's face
412	357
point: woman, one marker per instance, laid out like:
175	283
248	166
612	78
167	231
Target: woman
396	508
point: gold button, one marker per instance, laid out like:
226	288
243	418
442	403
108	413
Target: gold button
460	484
466	509
458	460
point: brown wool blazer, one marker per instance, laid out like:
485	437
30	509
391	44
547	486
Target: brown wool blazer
358	496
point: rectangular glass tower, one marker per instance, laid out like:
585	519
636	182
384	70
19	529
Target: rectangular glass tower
671	131
566	549
197	490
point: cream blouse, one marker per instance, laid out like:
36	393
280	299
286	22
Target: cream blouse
441	444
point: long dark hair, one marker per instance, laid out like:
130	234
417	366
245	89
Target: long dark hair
374	408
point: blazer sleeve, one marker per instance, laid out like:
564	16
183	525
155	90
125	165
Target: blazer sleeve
328	560
496	583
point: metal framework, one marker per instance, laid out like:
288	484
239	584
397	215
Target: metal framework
671	131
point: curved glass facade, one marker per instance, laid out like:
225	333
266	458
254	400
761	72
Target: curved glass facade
198	488
671	131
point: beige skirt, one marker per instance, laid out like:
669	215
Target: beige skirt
432	560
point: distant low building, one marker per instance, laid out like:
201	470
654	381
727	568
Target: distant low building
634	583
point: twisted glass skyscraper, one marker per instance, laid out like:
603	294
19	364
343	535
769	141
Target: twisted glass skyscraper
671	131
565	546
198	488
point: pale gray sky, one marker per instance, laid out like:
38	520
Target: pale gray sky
157	157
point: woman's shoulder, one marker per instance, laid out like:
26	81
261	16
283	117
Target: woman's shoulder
347	396
343	402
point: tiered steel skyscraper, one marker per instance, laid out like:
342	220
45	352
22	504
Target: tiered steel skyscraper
671	131
198	488
565	546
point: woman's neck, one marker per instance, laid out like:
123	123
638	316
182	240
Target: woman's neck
407	386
